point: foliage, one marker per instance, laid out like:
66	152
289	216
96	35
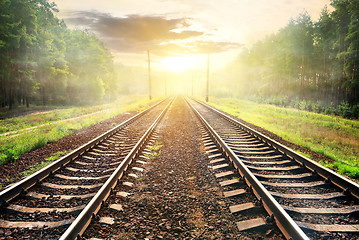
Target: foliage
42	61
312	64
317	106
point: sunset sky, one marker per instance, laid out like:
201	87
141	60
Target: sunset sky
180	33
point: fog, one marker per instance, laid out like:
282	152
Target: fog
85	56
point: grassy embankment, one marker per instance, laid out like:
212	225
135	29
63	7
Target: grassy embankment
21	141
331	136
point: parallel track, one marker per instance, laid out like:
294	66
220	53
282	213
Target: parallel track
75	186
302	198
294	190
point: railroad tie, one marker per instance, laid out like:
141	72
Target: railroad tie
117	207
89	170
144	157
309	196
229	182
329	228
30	225
80	178
268	163
215	155
209	143
209	147
133	175
251	223
242	207
294	176
141	162
22	209
291	168
122	194
128	184
345	210
138	169
233	193
309	184
212	151
57	186
107	220
42	196
224	174
146	152
217	160
220	166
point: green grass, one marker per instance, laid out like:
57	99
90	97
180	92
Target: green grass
8	181
11	147
156	148
334	137
36	167
36	118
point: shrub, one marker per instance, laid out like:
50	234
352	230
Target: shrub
344	110
9	155
355	111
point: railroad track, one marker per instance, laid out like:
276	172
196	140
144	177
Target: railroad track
60	200
304	199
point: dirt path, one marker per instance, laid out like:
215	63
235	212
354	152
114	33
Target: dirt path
25	130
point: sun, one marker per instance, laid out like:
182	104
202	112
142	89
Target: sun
179	64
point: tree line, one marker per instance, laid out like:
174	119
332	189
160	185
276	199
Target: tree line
44	62
306	62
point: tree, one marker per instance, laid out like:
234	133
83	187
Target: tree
352	54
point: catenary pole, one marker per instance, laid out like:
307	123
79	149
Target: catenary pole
207	78
149	74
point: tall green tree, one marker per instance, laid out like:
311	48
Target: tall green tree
41	59
352	54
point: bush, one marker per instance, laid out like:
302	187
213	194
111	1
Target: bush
355	111
9	155
343	110
317	107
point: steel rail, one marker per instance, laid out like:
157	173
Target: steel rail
284	222
348	186
80	224
22	186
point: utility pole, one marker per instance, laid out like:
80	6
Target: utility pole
207	78
149	74
192	83
165	83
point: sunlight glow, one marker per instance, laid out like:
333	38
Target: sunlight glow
179	64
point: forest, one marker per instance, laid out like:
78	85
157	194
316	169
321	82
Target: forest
42	61
307	65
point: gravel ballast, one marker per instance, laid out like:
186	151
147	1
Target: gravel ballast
177	196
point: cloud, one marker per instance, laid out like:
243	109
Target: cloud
136	33
133	29
195	47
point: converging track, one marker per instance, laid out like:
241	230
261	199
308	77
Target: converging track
72	189
322	203
181	169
